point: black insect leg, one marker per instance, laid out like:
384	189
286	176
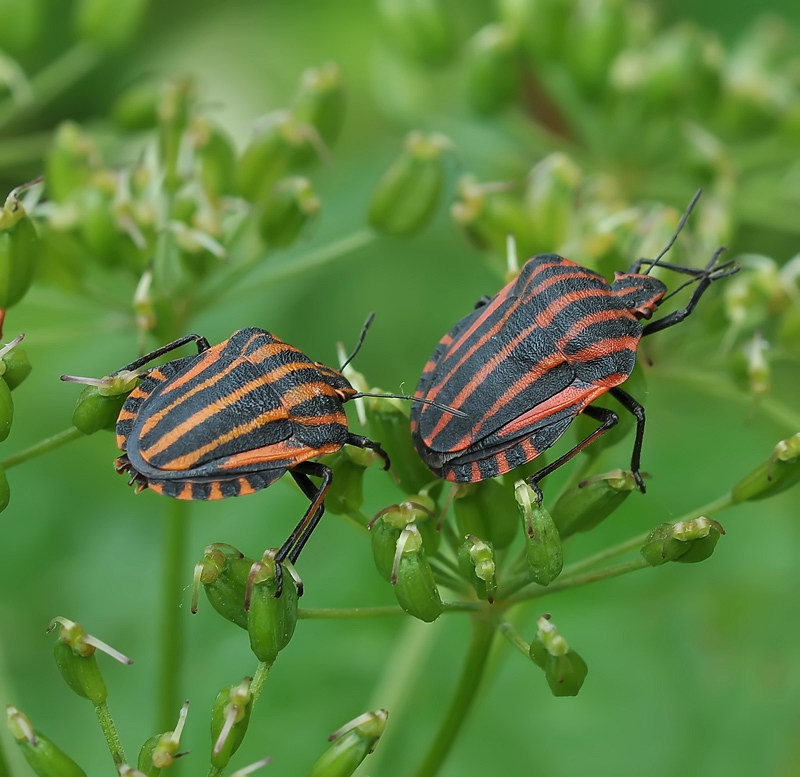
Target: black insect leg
202	345
294	544
636	409
608	419
364	442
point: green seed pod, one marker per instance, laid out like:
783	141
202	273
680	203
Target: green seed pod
230	717
6	410
477	566
70	162
216	158
542	24
109	24
99	404
346	493
285	210
586	504
160	750
420	29
779	472
684	541
271	619
487	510
550	197
493	80
18	252
15	367
388	524
564	668
543	549
387	420
174	109
352	744
136	108
320	103
407	196
414	584
44	757
270	155
224	572
80	670
5	490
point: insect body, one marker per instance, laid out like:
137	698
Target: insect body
525	363
234	418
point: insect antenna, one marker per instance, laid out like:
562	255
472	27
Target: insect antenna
671	242
367	324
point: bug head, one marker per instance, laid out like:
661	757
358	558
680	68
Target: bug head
640	294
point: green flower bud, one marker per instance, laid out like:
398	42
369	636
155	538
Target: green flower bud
488	214
543	544
272	612
414	584
136	108
584	505
230	717
346	493
420	29
477	566
388	524
408	194
6	410
44	757
14	365
270	155
216	158
542	24
564	668
387	420
109	24
684	541
550	198
752	295
752	367
18	251
779	472
487	510
224	572
70	161
75	658
320	103
174	108
493	79
351	745
100	402
285	211
160	750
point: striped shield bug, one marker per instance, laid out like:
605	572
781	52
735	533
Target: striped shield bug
526	362
233	418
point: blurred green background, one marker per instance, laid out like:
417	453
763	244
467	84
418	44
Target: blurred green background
693	668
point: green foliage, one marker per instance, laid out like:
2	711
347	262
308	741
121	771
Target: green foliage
278	188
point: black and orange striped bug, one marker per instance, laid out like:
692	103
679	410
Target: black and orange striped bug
525	363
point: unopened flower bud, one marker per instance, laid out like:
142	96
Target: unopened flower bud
161	750
320	103
414	584
223	573
564	668
6	410
44	757
19	249
476	564
584	505
230	717
75	657
487	510
779	472
352	743
99	404
550	198
542	542
492	68
285	210
684	541
136	108
420	29
388	524
272	609
216	159
70	161
407	196
14	363
109	24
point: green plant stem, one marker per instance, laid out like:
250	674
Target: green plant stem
110	733
514	638
171	633
259	678
482	635
348	613
41	447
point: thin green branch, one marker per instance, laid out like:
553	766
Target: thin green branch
110	733
42	447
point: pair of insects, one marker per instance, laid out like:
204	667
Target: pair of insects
501	387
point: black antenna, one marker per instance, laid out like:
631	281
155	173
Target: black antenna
359	343
681	225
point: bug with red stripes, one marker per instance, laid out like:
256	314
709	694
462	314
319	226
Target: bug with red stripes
525	363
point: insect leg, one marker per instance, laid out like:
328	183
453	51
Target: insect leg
608	418
636	409
202	345
364	442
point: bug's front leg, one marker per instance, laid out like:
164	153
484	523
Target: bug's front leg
202	345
